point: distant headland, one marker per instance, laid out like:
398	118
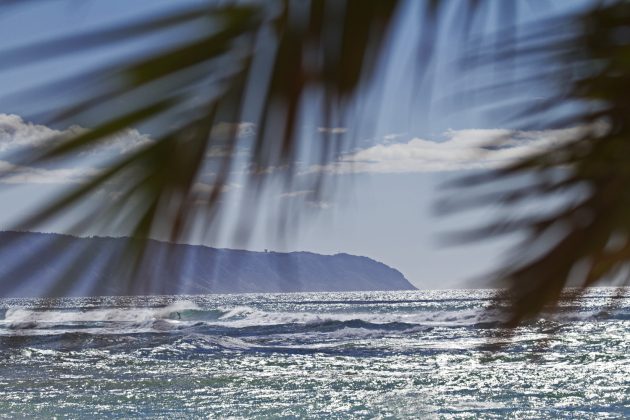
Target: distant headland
44	264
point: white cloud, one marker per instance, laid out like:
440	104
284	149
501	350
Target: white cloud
201	191
293	194
19	135
320	205
15	134
17	174
332	130
308	197
461	150
393	136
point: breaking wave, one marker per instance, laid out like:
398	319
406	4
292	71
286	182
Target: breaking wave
239	349
185	314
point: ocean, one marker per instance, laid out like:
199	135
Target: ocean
421	354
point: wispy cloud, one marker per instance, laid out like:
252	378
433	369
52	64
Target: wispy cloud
17	134
202	191
388	138
300	193
17	174
460	150
320	204
332	130
308	197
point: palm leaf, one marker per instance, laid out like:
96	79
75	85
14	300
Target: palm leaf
199	83
263	61
584	241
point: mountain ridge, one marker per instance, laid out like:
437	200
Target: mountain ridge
52	264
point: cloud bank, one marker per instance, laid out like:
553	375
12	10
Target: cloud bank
17	174
460	150
308	197
15	134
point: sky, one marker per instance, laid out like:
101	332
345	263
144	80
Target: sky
386	186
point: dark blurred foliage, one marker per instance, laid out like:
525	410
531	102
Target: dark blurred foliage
584	241
261	61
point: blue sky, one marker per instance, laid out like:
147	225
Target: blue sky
382	205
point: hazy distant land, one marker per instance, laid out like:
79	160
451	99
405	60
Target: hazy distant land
37	264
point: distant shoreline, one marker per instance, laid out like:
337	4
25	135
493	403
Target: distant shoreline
50	264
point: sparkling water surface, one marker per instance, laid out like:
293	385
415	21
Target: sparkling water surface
424	354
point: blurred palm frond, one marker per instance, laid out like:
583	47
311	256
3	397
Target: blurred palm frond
250	62
262	62
584	240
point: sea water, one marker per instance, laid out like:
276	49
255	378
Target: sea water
424	354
